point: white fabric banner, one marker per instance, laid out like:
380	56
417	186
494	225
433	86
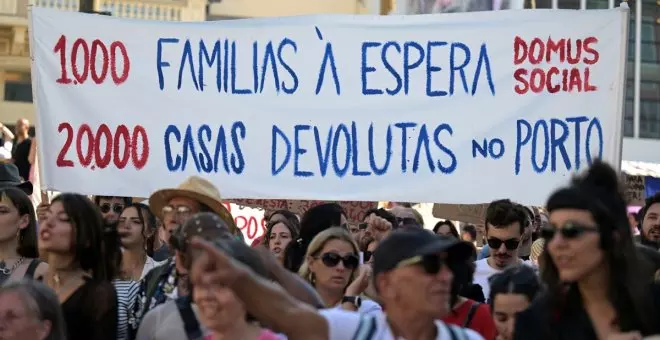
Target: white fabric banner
454	108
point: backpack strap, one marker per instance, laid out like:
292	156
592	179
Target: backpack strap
190	323
32	268
470	314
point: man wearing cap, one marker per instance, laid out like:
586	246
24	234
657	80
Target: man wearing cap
411	275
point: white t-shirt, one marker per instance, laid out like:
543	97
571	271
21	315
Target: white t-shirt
483	271
367	307
344	325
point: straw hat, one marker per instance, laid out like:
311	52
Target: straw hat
197	189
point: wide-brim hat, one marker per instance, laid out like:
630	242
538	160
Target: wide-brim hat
199	190
10	178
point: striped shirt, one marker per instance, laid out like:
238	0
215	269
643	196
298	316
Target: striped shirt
127	292
344	325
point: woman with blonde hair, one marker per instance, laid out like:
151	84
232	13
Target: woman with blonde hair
331	265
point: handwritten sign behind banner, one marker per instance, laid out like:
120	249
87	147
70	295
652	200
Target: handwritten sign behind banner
460	108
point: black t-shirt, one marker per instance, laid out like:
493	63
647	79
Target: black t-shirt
91	312
543	321
20	154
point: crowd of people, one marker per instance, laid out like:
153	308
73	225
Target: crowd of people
177	267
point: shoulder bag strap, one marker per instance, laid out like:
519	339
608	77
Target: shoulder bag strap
32	268
470	314
190	323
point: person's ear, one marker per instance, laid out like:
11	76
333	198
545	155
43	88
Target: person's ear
44	330
24	222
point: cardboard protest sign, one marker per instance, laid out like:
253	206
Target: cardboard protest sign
635	189
354	210
460	108
468	213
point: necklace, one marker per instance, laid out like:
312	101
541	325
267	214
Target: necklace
7	271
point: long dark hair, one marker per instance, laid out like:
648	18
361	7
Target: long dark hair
90	246
520	279
314	221
27	237
269	228
599	192
148	221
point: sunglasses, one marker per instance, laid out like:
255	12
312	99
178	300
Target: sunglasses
363	226
430	263
510	244
568	231
116	208
330	260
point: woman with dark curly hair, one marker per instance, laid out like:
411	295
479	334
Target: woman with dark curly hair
597	286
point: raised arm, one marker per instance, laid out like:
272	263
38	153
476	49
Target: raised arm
265	300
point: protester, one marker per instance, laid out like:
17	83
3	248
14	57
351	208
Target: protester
19	257
278	235
407	217
314	221
178	318
29	310
282	215
21	149
220	310
332	266
174	207
469	233
536	251
505	223
111	207
511	292
80	267
446	228
411	278
596	285
137	229
649	222
468	309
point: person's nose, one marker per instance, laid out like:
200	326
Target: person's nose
445	274
508	328
277	240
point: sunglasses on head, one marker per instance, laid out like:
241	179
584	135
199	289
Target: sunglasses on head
330	260
430	263
116	208
570	230
510	244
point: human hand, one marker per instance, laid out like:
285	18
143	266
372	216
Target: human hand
213	266
360	283
378	227
42	211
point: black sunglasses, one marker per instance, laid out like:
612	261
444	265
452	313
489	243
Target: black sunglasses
510	244
350	261
363	226
568	231
106	207
430	263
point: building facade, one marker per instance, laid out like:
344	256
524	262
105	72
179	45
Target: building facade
232	9
642	110
15	84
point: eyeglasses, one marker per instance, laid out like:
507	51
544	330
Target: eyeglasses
570	230
430	263
363	226
180	210
330	260
406	221
116	208
510	244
